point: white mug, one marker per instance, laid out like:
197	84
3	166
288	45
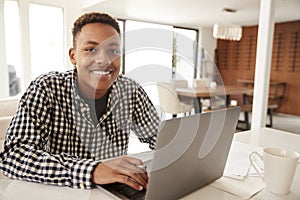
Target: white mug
279	168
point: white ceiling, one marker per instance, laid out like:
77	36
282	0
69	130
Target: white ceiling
195	13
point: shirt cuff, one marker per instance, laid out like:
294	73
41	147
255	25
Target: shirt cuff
82	173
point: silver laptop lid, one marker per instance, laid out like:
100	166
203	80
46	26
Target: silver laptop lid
191	152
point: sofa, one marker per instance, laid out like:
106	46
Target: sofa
8	108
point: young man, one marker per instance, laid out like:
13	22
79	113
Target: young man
68	124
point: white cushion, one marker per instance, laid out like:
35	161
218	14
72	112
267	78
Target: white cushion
8	107
4	122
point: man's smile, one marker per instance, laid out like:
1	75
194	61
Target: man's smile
100	73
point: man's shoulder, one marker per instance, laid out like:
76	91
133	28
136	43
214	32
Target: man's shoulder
54	77
124	81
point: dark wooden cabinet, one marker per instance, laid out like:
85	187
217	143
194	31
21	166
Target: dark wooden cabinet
236	60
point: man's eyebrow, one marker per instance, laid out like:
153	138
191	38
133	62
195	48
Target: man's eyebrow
114	44
96	43
91	42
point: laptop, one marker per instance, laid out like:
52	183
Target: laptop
190	153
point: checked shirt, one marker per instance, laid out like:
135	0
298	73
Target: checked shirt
53	140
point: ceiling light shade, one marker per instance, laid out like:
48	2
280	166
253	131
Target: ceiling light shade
227	31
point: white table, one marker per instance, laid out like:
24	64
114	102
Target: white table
261	138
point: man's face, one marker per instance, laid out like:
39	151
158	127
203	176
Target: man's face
97	58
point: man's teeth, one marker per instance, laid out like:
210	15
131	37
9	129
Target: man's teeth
101	72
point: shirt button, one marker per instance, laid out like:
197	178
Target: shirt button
81	185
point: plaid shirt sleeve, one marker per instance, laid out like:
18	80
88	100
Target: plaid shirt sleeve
25	154
146	120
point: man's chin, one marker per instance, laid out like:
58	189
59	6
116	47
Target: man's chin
103	87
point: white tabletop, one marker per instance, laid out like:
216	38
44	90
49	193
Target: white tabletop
261	138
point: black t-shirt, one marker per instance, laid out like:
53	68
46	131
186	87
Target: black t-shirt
97	106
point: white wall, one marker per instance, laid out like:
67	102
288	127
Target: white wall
4	82
207	41
73	9
89	3
209	44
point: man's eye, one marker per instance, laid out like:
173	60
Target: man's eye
114	51
92	50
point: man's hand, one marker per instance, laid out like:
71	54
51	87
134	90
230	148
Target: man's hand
123	170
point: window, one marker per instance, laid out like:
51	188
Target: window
159	53
46	39
12	44
185	51
148	51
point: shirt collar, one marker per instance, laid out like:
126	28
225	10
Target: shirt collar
113	99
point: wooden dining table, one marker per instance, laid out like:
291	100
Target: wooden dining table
198	93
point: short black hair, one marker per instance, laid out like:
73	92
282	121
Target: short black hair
93	17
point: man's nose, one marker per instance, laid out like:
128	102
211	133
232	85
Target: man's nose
102	59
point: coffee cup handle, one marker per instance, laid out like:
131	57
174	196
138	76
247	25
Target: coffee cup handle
254	164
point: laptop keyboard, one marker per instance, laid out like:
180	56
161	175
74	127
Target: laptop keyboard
131	193
126	191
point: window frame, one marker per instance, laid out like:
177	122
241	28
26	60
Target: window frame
26	75
195	61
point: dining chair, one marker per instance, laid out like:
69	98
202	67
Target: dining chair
165	99
180	83
202	82
211	103
185	101
276	96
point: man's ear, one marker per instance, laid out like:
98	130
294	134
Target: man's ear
72	56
